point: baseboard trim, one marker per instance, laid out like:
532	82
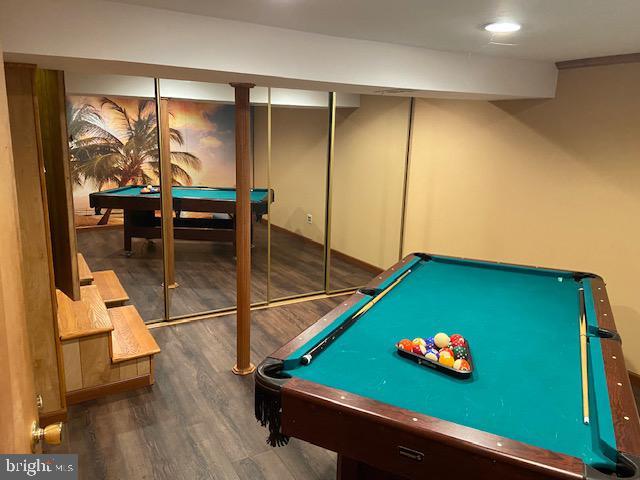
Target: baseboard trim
108	226
91	393
634	378
53	417
334	253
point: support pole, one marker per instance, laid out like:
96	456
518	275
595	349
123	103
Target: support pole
243	364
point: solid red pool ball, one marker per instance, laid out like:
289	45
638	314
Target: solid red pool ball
457	340
405	344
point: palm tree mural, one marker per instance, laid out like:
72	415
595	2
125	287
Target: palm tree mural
127	156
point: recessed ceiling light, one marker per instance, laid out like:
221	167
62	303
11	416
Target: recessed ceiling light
503	27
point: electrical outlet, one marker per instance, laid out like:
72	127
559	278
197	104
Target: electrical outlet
309	218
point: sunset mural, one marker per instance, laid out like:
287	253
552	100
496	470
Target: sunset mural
113	142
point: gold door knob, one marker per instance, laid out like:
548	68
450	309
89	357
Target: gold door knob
52	434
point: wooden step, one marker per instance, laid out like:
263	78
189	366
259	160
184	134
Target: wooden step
85	317
110	288
86	277
130	337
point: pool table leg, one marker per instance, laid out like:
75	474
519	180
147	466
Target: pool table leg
349	469
127	231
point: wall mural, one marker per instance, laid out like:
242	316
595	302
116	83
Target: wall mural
113	142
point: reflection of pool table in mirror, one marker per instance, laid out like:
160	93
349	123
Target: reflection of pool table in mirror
519	415
140	220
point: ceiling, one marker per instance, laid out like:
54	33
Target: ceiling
552	30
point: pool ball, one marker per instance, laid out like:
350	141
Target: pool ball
462	365
419	341
419	349
441	340
457	340
460	352
446	351
446	360
432	354
430	342
405	344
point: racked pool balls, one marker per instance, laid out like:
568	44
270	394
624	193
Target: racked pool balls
457	340
460	352
442	340
432	354
405	344
462	365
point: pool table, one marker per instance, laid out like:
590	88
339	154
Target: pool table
518	416
140	220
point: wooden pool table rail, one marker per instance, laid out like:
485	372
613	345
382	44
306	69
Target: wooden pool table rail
474	453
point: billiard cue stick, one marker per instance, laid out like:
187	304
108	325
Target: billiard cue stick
583	358
340	329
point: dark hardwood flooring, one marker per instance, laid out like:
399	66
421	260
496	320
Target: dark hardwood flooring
197	421
205	271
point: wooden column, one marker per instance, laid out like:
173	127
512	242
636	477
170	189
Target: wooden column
55	153
243	364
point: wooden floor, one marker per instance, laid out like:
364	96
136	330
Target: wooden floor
197	422
205	271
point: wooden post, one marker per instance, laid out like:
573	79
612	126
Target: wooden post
243	364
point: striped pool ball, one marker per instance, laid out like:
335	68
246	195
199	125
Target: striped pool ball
432	354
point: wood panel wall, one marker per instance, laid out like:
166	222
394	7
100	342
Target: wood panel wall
37	267
53	126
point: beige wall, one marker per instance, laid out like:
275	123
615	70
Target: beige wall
548	182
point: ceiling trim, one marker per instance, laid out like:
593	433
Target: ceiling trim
598	61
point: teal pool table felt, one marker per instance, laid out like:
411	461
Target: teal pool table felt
257	194
522	325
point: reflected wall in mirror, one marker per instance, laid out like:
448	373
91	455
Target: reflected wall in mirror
367	188
299	134
202	133
113	149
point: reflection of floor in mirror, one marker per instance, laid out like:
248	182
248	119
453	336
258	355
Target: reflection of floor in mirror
205	271
198	420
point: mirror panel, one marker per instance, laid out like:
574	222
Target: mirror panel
367	187
113	148
299	135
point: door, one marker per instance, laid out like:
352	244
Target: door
18	410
